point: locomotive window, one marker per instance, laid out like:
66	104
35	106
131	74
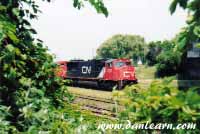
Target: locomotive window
109	64
128	63
120	64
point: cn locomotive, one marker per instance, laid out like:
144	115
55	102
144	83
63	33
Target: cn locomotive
105	72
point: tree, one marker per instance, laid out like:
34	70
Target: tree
30	93
168	63
97	4
191	32
123	46
154	49
164	56
189	35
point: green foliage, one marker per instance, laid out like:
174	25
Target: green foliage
31	96
123	46
162	103
154	49
5	125
97	4
165	56
168	63
190	33
168	60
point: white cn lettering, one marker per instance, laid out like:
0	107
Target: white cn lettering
86	69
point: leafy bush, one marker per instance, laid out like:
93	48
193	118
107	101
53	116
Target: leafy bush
5	125
154	49
168	63
162	103
164	56
32	98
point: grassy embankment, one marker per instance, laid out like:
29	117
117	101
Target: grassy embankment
145	72
146	75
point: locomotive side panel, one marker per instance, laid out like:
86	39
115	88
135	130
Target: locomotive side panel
72	69
99	68
87	69
84	69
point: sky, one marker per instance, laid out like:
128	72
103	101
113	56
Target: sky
70	33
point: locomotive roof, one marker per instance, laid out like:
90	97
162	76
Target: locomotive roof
104	60
60	62
101	60
110	60
88	60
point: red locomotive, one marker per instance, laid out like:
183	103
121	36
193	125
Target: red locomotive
107	73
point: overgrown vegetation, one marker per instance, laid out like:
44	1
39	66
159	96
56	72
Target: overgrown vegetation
168	64
32	98
161	103
190	33
164	56
154	48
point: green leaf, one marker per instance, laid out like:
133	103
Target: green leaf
173	5
13	37
182	43
197	31
183	3
33	31
78	4
16	11
12	74
1	36
17	51
33	130
10	48
2	8
198	45
97	4
26	22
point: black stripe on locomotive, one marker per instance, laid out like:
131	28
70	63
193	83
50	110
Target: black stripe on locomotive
85	69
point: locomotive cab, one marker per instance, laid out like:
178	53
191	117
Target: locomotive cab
126	70
119	71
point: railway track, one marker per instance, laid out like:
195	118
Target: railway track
106	100
103	107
